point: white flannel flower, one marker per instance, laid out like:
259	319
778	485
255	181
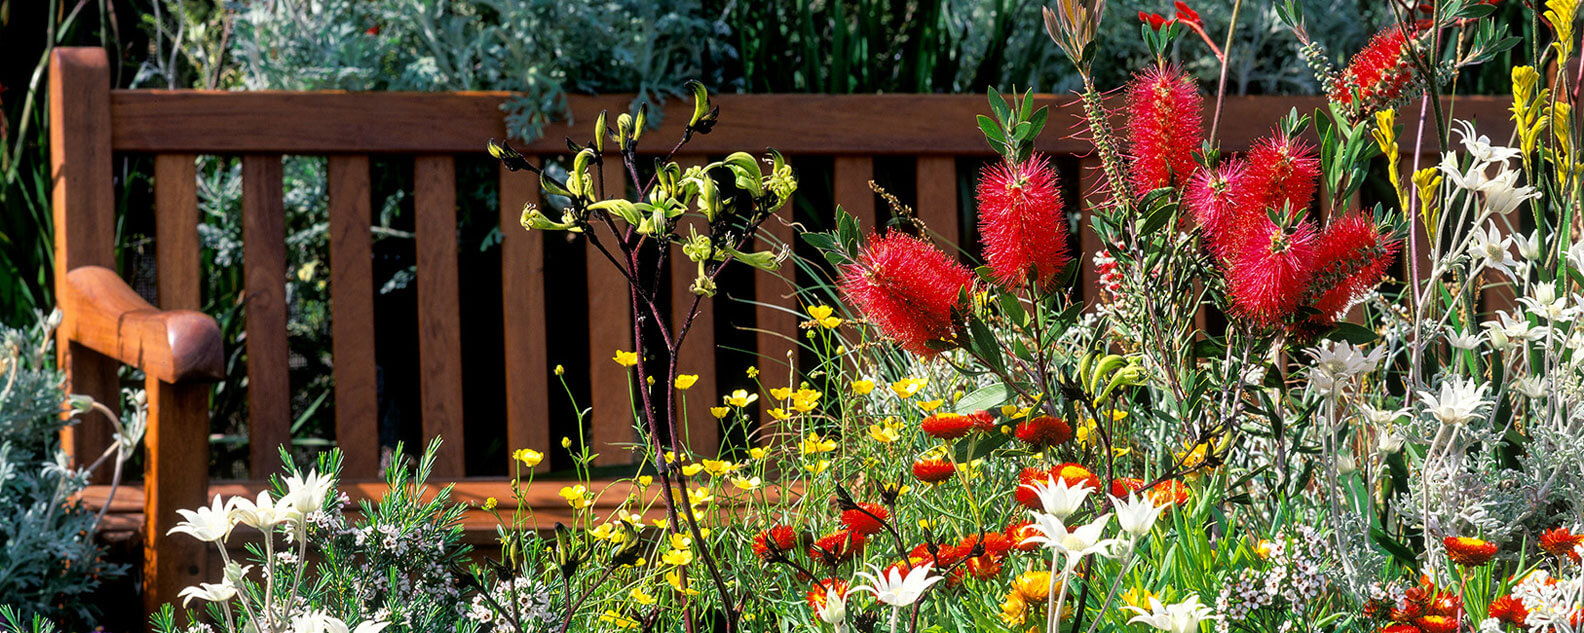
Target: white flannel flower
1463	341
1337	363
1544	302
1075	543
1529	247
1469	180
1459	400
1531	386
1502	193
894	588
1183	617
323	622
1479	146
1388	441
1136	515
1057	497
834	610
264	513
307	493
1507	330
217	592
209	524
1489	248
1575	255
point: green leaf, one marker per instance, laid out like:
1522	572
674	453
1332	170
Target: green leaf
998	105
1402	553
992	134
983	398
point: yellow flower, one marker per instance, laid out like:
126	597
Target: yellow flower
602	532
1008	410
566	442
822	316
757	452
717	467
750	483
926	524
620	621
649	380
490	503
700	496
1265	548
1560	14
645	480
1138	597
885	432
817	468
559	370
753	372
780	393
906	387
529	457
576	496
719	412
625	359
685	381
741	398
813	443
692	469
863	387
640	597
805	400
679	541
779	413
1033	586
932	405
675	580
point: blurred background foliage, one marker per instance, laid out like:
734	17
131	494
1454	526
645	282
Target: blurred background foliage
542	50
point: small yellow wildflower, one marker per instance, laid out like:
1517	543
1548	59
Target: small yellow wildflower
645	480
885	432
559	370
780	393
625	359
813	443
718	467
906	387
529	457
926	524
576	496
675	580
679	541
748	483
566	442
753	372
779	413
757	452
817	468
741	398
823	315
692	469
490	503
699	497
685	381
863	387
1138	597
804	400
618	620
640	597
649	380
932	405
719	412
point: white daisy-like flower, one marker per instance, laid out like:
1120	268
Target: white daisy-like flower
211	524
1059	499
896	589
1489	248
1183	617
1458	401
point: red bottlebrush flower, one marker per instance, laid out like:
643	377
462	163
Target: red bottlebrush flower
1024	494
909	289
1044	431
1561	542
933	471
983	420
1155	21
947	426
1018	532
1163	126
1212	198
1351	256
772	542
1271	271
1509	609
1469	551
1075	475
1186	14
1170	492
1121	487
1022	224
1281	172
1437	624
866	519
818	593
836	548
1378	77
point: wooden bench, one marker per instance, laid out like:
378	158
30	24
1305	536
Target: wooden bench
107	324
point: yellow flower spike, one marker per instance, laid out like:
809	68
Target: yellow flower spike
1559	14
813	444
780	393
559	370
779	413
906	387
719	412
817	468
640	597
490	503
529	457
1427	182
931	406
685	381
1385	134
1529	117
1565	159
741	398
625	359
757	452
863	387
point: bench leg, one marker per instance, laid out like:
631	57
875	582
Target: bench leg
176	476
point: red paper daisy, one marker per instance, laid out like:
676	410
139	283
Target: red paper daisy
1044	432
947	426
836	548
866	519
774	541
1561	542
1468	551
933	471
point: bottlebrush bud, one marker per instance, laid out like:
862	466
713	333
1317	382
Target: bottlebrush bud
1022	224
1164	128
1379	76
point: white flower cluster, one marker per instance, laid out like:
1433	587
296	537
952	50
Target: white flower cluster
1291	579
1552	602
531	602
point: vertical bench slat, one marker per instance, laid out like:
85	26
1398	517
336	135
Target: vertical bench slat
937	199
176	447
697	355
853	194
352	314
264	261
776	315
523	298
610	329
176	230
1091	181
439	314
83	201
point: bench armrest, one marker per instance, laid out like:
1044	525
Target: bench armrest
103	313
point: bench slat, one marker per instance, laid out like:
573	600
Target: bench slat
853	194
176	231
439	314
609	308
264	262
697	355
523	299
1091	182
352	314
775	319
937	199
